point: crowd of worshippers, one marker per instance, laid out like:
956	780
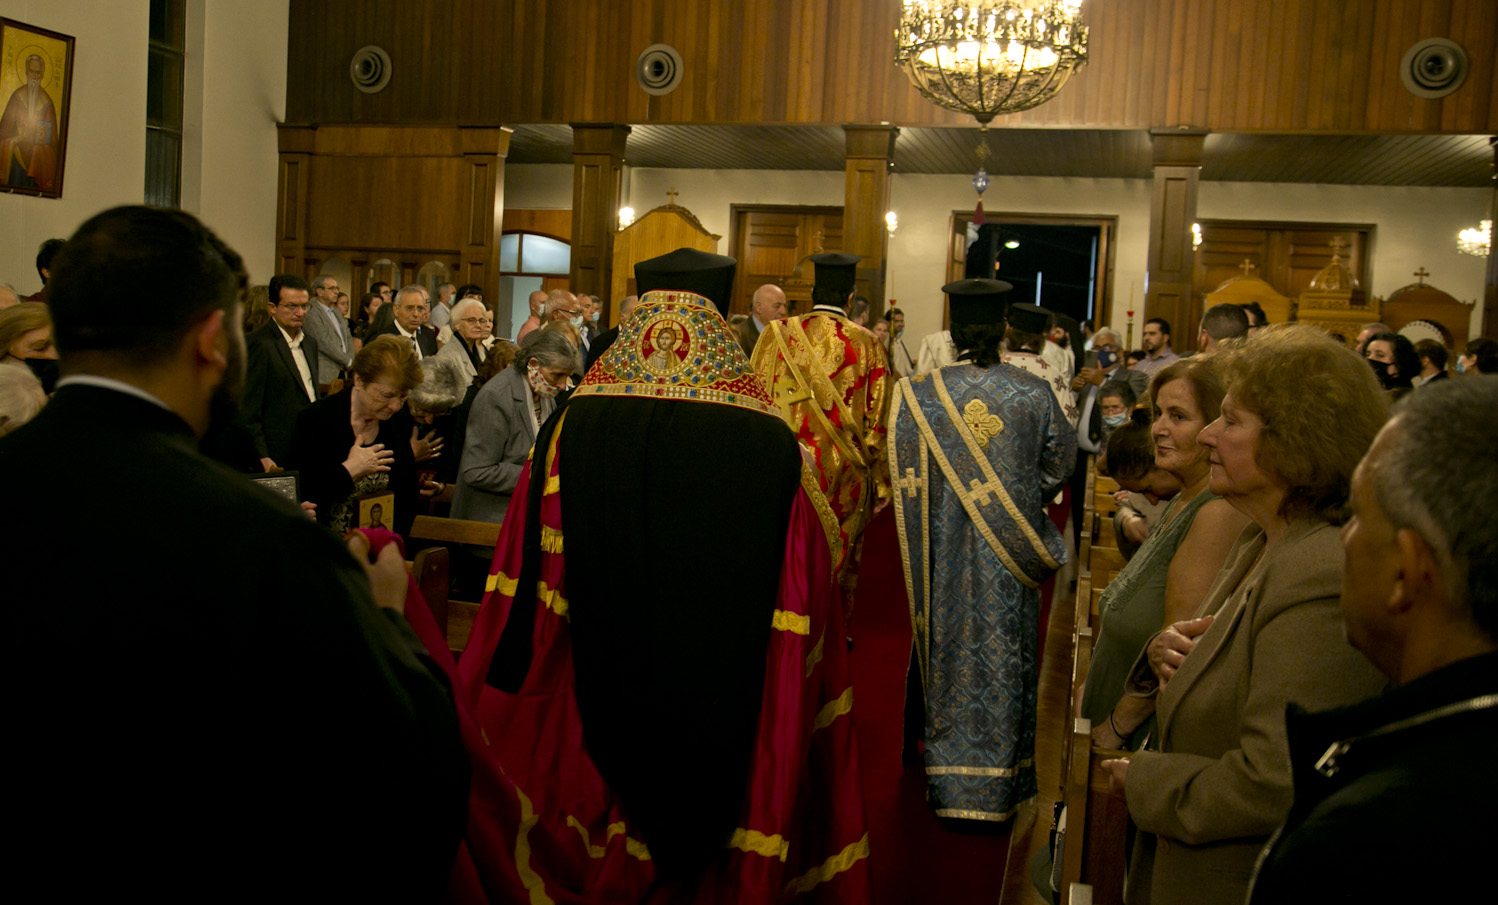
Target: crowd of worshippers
1297	666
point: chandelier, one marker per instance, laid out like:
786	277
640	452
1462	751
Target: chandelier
1476	241
990	57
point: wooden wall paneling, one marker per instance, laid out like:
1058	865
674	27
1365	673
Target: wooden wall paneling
554	223
771	241
1169	282
1226	65
597	163
865	201
484	152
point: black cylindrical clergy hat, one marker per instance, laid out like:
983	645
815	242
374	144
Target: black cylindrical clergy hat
689	270
1029	318
835	273
977	300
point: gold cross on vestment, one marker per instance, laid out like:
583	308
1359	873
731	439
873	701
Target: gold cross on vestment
910	483
980	492
1420	275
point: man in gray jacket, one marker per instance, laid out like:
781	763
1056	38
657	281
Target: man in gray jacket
327	325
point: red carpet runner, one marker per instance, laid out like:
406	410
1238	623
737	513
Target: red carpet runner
914	858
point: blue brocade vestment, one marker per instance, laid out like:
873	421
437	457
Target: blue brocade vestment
974	455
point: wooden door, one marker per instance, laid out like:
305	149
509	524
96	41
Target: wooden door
770	243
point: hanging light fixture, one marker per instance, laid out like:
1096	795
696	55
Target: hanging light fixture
987	58
1476	241
891	221
626	216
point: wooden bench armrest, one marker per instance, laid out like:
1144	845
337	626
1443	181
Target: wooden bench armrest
454	531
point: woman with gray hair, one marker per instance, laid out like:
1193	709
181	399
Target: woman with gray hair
466	348
503	421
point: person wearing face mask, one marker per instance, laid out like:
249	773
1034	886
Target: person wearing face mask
26	341
503	420
1103	373
358	441
1393	359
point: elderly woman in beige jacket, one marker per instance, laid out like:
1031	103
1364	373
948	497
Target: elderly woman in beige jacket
1300	412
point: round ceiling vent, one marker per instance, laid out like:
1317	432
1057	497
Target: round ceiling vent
370	69
659	69
1434	68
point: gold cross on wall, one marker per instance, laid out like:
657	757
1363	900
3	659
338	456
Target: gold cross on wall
1247	267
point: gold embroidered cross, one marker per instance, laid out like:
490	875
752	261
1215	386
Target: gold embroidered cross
983	425
910	483
980	492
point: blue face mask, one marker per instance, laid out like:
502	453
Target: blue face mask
1115	420
1107	358
595	316
1461	366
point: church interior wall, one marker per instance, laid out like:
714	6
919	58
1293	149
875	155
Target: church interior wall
1414	226
233	97
106	150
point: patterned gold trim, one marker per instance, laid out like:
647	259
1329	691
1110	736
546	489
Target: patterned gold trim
1015	770
502	583
755	842
828	869
825	515
553	484
534	885
991	477
815	657
791	622
964	814
968	501
684	393
916	487
841	705
551	539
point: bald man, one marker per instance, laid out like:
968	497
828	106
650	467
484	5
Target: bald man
537	301
768	305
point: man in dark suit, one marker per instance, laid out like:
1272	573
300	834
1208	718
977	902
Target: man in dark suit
410	322
607	337
278	727
768	305
281	380
327	326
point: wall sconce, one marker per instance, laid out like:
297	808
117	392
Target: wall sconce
626	216
1196	236
891	222
1476	241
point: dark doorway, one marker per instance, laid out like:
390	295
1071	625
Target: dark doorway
1063	264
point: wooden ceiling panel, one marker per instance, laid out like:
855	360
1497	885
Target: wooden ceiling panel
1422	160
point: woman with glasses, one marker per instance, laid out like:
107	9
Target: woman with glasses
466	348
357	443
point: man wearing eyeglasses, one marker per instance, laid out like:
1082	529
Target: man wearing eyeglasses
411	313
327	325
279	380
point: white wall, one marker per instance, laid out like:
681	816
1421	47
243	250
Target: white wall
106	145
232	186
237	54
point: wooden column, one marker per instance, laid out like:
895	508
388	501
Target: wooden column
1168	286
484	153
1489	325
597	164
865	201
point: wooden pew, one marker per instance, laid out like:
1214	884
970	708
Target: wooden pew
458	615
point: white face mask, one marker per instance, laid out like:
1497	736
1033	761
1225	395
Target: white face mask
1115	420
576	321
595	316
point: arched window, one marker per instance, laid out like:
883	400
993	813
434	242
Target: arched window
528	262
